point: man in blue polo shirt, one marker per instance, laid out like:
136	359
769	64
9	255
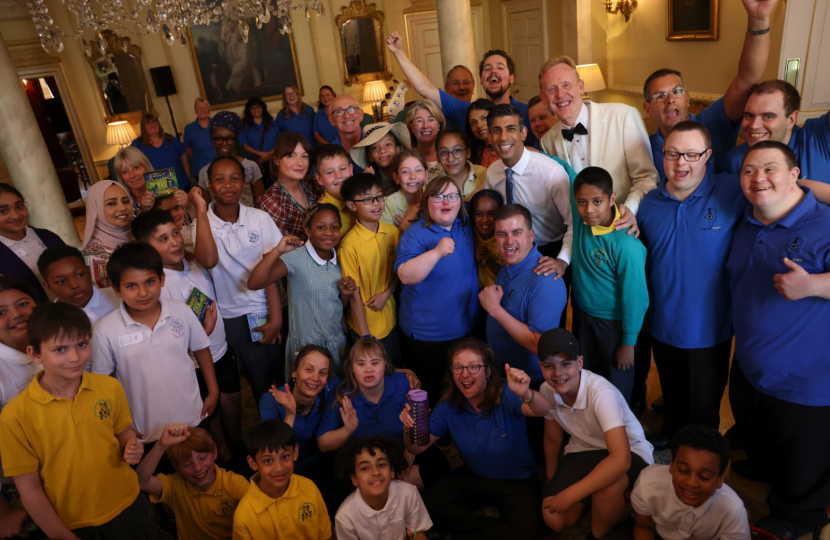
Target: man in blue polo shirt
346	115
778	269
771	114
520	305
686	225
496	74
667	99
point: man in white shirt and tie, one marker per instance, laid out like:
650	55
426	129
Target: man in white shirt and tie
607	135
533	180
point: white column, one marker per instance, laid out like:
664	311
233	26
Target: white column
27	159
455	31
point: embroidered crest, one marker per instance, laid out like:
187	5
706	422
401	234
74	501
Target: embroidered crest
103	409
710	215
254	238
206	275
793	248
177	326
599	257
306	511
226	507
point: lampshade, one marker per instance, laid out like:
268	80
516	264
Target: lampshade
374	91
591	76
120	133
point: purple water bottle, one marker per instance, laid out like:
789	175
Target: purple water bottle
419	409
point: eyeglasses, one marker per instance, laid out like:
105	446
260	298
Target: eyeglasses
370	200
452	197
660	97
472	369
223	140
456	153
340	112
671	155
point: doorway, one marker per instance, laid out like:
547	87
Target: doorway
526	41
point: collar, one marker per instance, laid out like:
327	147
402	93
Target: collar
9	242
260	501
13	356
387	391
128	321
582	118
218	223
369	512
581	401
528	262
317	259
176	274
470	167
794	217
364	233
95	299
698	511
599	230
438	228
520	166
38	394
340	204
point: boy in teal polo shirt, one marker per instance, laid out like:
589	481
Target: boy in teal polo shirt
609	281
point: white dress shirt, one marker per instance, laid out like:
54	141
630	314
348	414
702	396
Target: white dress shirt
541	185
579	149
721	517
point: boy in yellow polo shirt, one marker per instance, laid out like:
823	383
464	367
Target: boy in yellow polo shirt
67	439
332	167
279	503
367	255
202	495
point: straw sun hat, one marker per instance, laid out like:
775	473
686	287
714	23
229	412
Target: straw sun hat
375	132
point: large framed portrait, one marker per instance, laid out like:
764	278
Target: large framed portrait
230	71
691	20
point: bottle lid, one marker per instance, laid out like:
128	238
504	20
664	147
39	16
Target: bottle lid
417	395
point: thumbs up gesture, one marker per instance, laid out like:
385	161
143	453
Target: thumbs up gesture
795	284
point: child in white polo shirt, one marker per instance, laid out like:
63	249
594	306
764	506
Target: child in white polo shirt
688	500
229	240
607	450
184	281
145	345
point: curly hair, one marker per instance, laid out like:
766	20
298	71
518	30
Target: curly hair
344	461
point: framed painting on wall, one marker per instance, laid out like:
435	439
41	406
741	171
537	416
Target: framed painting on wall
691	20
230	71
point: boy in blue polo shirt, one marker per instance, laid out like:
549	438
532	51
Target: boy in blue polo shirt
609	281
779	269
689	218
520	305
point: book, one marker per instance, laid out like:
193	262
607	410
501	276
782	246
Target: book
162	183
255	320
199	303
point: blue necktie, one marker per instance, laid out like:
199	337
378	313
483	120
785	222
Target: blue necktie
508	186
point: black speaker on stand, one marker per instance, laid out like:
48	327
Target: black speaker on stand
165	86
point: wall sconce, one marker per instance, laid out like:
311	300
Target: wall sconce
375	92
626	7
120	133
591	77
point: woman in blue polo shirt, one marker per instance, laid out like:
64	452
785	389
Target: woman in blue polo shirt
162	150
369	401
488	426
439	299
197	141
324	130
259	131
296	115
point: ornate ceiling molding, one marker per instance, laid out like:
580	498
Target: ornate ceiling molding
28	53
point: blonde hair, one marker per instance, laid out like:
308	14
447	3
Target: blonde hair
567	60
363	347
431	107
200	100
286	112
130	156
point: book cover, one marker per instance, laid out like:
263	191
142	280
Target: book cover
162	183
199	303
255	320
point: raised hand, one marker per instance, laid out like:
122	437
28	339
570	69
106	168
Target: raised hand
174	434
197	200
286	399
759	11
406	417
133	451
347	286
445	247
288	243
146	201
490	297
180	197
795	284
518	381
349	415
394	42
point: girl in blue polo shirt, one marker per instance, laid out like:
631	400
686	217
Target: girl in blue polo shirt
488	426
439	298
369	401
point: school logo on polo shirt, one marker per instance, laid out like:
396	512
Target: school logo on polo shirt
391	250
103	409
599	257
793	247
226	507
254	238
306	511
177	326
710	216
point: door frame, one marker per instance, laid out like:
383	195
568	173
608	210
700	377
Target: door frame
512	6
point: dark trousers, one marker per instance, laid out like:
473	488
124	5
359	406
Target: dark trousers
791	443
599	340
131	524
741	399
693	381
428	359
263	365
642	366
453	502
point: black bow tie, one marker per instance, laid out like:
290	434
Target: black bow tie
579	129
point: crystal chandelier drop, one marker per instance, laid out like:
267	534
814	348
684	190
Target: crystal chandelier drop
170	17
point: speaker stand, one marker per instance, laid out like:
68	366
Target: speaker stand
173	118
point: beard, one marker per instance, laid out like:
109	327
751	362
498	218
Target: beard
497	95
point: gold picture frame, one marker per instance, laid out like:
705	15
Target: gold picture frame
692	20
230	71
362	43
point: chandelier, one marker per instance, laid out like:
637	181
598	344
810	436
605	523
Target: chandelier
169	16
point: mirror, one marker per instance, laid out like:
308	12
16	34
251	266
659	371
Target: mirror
120	79
361	40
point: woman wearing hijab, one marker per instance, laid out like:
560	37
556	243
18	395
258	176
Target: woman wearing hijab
109	213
